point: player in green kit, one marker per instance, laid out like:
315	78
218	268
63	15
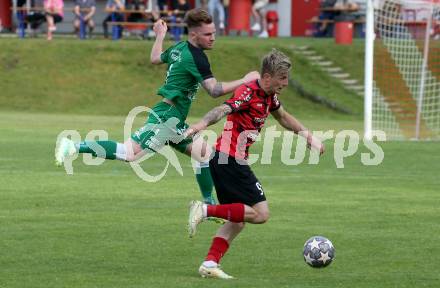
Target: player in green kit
188	67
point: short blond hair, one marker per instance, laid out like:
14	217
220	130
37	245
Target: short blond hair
275	62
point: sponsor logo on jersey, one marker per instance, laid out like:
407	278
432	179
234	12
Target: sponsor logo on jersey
176	55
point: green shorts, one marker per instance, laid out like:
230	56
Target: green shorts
163	127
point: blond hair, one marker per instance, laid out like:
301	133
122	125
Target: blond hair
275	62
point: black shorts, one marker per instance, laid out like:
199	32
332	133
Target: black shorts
235	183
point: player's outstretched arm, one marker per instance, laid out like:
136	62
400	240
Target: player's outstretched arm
160	28
209	119
291	123
216	88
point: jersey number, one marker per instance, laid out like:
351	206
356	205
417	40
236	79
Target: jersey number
259	188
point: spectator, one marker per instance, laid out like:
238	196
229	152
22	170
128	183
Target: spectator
84	9
136	5
359	16
391	20
258	12
436	29
162	4
214	5
324	29
226	9
179	7
348	4
112	6
137	16
204	4
54	14
348	9
361	6
158	7
34	17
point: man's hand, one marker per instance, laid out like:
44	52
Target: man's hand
193	129
315	143
160	28
251	76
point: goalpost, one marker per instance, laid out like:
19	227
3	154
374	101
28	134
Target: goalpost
402	69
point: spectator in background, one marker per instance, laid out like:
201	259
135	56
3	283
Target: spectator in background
226	6
214	5
137	17
112	6
54	14
348	4
136	5
361	6
391	25
324	29
84	9
436	29
158	7
260	23
179	8
359	16
204	4
348	9
162	4
34	18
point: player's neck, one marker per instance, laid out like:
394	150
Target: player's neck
193	43
263	87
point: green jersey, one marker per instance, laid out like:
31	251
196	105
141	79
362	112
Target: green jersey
187	67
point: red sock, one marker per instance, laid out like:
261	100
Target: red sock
232	212
218	248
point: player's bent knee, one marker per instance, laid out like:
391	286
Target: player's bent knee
251	215
263	217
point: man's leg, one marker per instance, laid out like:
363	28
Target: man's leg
91	25
258	213
204	179
76	25
105	25
256	27
235	212
200	151
220	244
108	149
238	212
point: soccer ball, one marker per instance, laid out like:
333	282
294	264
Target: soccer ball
319	252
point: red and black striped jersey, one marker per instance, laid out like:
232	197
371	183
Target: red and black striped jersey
250	108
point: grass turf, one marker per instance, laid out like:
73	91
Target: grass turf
104	227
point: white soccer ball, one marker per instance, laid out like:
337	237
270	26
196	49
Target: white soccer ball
319	252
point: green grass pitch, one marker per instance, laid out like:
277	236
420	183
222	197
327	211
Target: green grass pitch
104	227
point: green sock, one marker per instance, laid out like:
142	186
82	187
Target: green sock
105	149
206	185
